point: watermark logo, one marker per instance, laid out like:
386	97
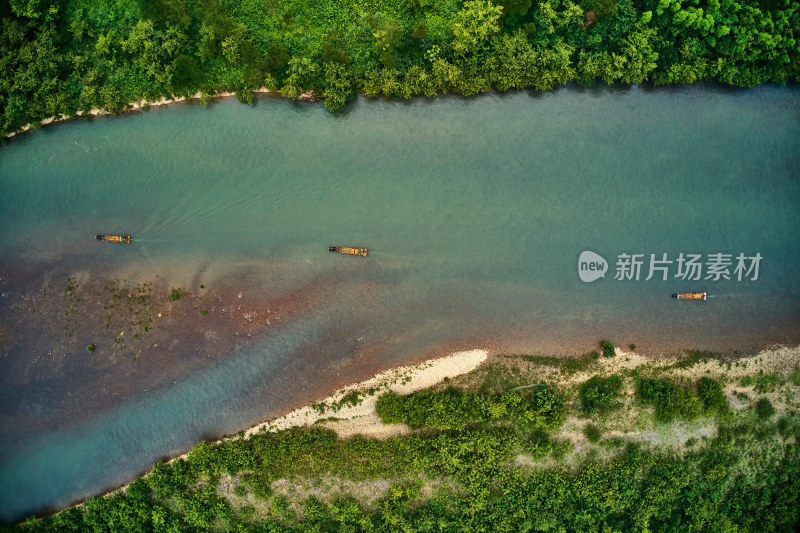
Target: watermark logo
686	266
591	266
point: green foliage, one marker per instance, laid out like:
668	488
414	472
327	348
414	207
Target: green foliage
669	399
608	349
752	485
540	407
764	409
599	395
693	357
568	365
174	295
57	58
592	433
474	24
539	444
603	8
90	348
712	397
389	408
762	383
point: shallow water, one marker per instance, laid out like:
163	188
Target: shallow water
475	212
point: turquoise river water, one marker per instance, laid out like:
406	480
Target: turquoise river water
475	212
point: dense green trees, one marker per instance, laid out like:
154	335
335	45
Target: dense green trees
59	56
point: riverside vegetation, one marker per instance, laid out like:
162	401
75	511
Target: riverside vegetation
521	444
61	56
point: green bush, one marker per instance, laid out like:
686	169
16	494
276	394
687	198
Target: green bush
539	444
764	409
670	400
608	349
592	433
389	408
453	409
613	443
712	396
174	295
599	395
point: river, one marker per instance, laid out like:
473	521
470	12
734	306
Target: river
475	212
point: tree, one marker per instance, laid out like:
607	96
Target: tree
474	24
338	86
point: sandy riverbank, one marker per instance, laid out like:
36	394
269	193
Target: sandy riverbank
308	96
361	418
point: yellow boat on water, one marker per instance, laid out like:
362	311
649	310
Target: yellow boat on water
348	250
114	238
690	296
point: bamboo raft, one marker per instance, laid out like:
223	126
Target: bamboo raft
690	296
114	238
348	250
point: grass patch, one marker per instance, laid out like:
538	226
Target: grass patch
762	383
693	357
567	365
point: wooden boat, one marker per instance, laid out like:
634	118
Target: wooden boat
690	296
114	238
347	250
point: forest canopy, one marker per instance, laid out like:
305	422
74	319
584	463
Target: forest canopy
61	56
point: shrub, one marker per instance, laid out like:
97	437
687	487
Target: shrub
90	348
174	295
711	395
540	444
599	395
545	408
389	408
453	409
764	409
608	349
592	433
614	443
669	399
